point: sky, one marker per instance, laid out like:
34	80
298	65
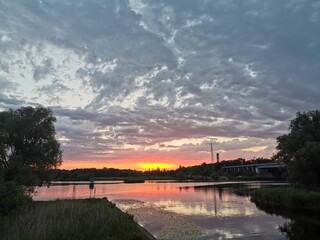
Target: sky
143	84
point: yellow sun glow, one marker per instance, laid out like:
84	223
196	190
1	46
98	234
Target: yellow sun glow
154	166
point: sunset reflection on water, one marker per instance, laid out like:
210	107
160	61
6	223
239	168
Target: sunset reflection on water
184	198
222	210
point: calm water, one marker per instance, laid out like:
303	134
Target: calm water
220	210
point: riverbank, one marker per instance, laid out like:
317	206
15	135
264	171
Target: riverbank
71	219
287	197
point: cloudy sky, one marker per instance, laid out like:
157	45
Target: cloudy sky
136	82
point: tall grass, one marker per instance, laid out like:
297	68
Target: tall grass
287	197
70	219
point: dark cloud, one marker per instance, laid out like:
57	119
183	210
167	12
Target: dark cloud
43	69
10	102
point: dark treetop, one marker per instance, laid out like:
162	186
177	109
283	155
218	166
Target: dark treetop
28	147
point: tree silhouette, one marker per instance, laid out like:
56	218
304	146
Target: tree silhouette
300	149
28	148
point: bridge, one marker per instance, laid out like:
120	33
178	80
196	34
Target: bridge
258	168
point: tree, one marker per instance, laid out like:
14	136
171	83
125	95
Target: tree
28	148
300	149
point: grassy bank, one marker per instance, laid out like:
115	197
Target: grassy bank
71	219
287	197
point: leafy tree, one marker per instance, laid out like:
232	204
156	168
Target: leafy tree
28	148
300	149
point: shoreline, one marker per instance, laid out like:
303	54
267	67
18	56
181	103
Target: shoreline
162	224
287	198
71	219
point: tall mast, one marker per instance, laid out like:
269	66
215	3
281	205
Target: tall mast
212	159
212	154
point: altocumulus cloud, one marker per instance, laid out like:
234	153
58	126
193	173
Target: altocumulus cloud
144	78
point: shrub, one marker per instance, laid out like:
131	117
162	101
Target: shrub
12	196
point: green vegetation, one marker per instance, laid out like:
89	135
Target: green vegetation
28	149
70	219
133	180
287	197
303	224
300	149
12	196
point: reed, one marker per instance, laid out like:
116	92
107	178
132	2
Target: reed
70	219
287	197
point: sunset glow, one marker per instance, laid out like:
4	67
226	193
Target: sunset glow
154	166
141	166
96	164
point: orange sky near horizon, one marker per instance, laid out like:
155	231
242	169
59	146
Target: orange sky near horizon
143	162
140	165
169	160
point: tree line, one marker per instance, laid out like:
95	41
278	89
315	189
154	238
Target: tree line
204	170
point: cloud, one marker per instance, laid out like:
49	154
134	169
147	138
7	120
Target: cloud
126	77
43	69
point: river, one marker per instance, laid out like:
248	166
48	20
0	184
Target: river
187	210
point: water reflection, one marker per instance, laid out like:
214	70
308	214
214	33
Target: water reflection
299	224
221	210
202	199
